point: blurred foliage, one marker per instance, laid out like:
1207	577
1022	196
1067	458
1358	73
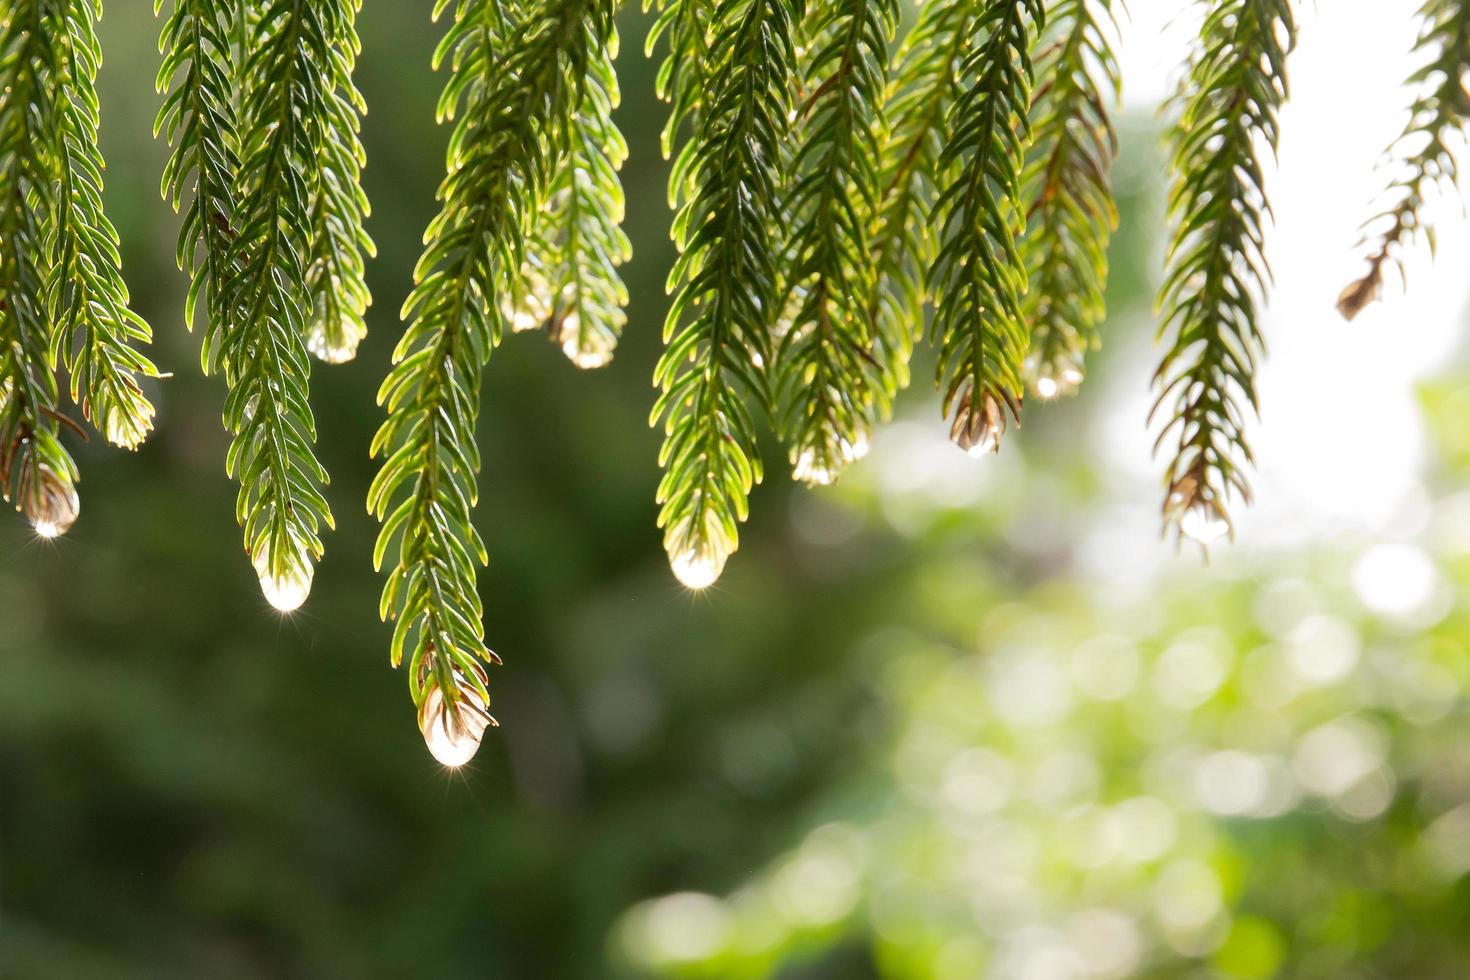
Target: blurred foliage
912	734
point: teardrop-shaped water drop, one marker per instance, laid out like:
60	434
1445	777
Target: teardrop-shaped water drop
51	504
453	732
287	588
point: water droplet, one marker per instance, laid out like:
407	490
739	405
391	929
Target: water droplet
698	568
1203	523
126	429
592	349
526	308
1055	378
453	732
978	430
809	471
332	350
286	590
51	506
820	466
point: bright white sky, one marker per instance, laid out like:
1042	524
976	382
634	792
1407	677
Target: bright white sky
1340	444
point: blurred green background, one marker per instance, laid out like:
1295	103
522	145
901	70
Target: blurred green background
909	735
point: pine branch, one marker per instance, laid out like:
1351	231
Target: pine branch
201	78
36	471
724	285
513	104
1423	154
1069	201
259	342
684	25
93	330
339	296
569	283
922	91
1216	266
978	276
830	387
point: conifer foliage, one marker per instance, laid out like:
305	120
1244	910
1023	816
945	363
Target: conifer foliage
1216	267
63	304
1424	154
848	177
262	115
518	81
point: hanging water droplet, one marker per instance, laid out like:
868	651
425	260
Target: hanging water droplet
593	349
977	430
52	504
453	732
527	308
820	466
1203	523
332	350
1055	378
286	589
125	429
698	568
809	471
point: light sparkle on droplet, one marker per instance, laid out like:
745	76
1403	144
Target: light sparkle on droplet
1202	523
286	591
696	569
53	506
328	351
1047	387
811	472
816	467
988	443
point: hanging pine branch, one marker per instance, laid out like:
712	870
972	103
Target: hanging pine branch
513	90
569	284
830	386
62	296
201	80
261	113
93	328
683	25
35	467
339	296
724	283
978	277
1069	201
1216	266
921	93
1423	153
